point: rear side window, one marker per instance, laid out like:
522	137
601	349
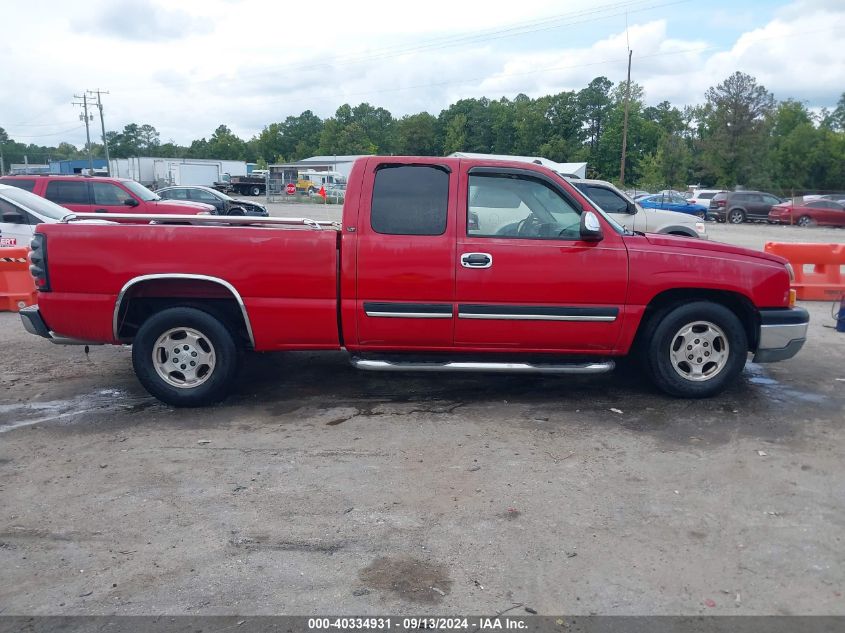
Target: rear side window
26	185
67	192
706	196
410	200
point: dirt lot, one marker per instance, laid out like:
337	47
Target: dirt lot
319	489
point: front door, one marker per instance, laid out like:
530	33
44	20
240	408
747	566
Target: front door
405	252
524	278
15	226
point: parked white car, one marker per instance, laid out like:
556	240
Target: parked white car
703	196
633	216
20	212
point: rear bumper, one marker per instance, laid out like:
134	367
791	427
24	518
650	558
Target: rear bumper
34	324
783	332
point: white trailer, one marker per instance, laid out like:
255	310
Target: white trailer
159	172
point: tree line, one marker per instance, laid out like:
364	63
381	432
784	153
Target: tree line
740	135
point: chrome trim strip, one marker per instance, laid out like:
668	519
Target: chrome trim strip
534	317
780	335
518	368
410	315
157	276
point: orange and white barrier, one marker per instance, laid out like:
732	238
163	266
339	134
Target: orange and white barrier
17	287
824	280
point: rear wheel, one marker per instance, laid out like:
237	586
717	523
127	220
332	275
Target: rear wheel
695	350
185	357
805	220
736	216
255	190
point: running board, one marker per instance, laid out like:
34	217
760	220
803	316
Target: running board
503	368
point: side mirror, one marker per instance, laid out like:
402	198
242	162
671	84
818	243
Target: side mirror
632	208
131	202
591	227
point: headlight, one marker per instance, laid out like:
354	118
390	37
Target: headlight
790	270
699	228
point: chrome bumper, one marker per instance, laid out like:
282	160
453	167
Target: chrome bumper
782	334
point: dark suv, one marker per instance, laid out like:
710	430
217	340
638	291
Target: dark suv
738	206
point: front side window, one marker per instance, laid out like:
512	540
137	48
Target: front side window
410	200
108	194
67	192
607	199
523	207
10	214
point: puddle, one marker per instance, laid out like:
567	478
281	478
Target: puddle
15	416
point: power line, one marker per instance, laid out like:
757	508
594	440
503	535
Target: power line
77	127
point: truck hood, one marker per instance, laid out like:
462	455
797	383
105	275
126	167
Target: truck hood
713	247
180	206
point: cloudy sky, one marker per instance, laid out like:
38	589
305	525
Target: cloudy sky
187	66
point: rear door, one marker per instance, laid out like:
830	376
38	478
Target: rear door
406	253
524	278
71	194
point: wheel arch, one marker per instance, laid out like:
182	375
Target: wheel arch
217	295
736	302
683	231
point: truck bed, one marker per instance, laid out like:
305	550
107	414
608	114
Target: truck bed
285	277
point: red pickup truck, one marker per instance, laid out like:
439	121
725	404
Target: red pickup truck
438	264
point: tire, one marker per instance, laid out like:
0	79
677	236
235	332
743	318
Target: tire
312	190
718	331
255	190
805	220
701	215
151	357
236	211
736	216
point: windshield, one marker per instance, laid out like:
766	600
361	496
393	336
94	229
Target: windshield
36	204
139	190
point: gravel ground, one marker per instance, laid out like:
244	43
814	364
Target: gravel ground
316	488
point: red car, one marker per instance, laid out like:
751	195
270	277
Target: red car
100	194
813	213
439	264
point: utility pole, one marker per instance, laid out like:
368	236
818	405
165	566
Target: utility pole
625	124
85	117
98	92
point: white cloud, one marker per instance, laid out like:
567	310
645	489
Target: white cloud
247	63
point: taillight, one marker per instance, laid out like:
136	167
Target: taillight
38	262
721	203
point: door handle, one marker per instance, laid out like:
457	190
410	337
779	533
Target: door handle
101	210
476	260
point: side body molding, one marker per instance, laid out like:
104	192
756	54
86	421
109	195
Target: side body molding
128	285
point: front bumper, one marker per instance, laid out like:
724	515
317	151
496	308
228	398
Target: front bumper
783	332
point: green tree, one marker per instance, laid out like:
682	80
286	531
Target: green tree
416	135
735	134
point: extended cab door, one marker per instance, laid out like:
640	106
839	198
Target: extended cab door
524	278
406	254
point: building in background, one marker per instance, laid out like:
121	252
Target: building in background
71	166
16	169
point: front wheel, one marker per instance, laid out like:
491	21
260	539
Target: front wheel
805	220
695	350
185	357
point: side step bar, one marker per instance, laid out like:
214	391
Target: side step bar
503	368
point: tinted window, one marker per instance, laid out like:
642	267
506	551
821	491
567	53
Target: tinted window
410	200
503	206
771	199
106	193
706	196
26	185
67	192
607	199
